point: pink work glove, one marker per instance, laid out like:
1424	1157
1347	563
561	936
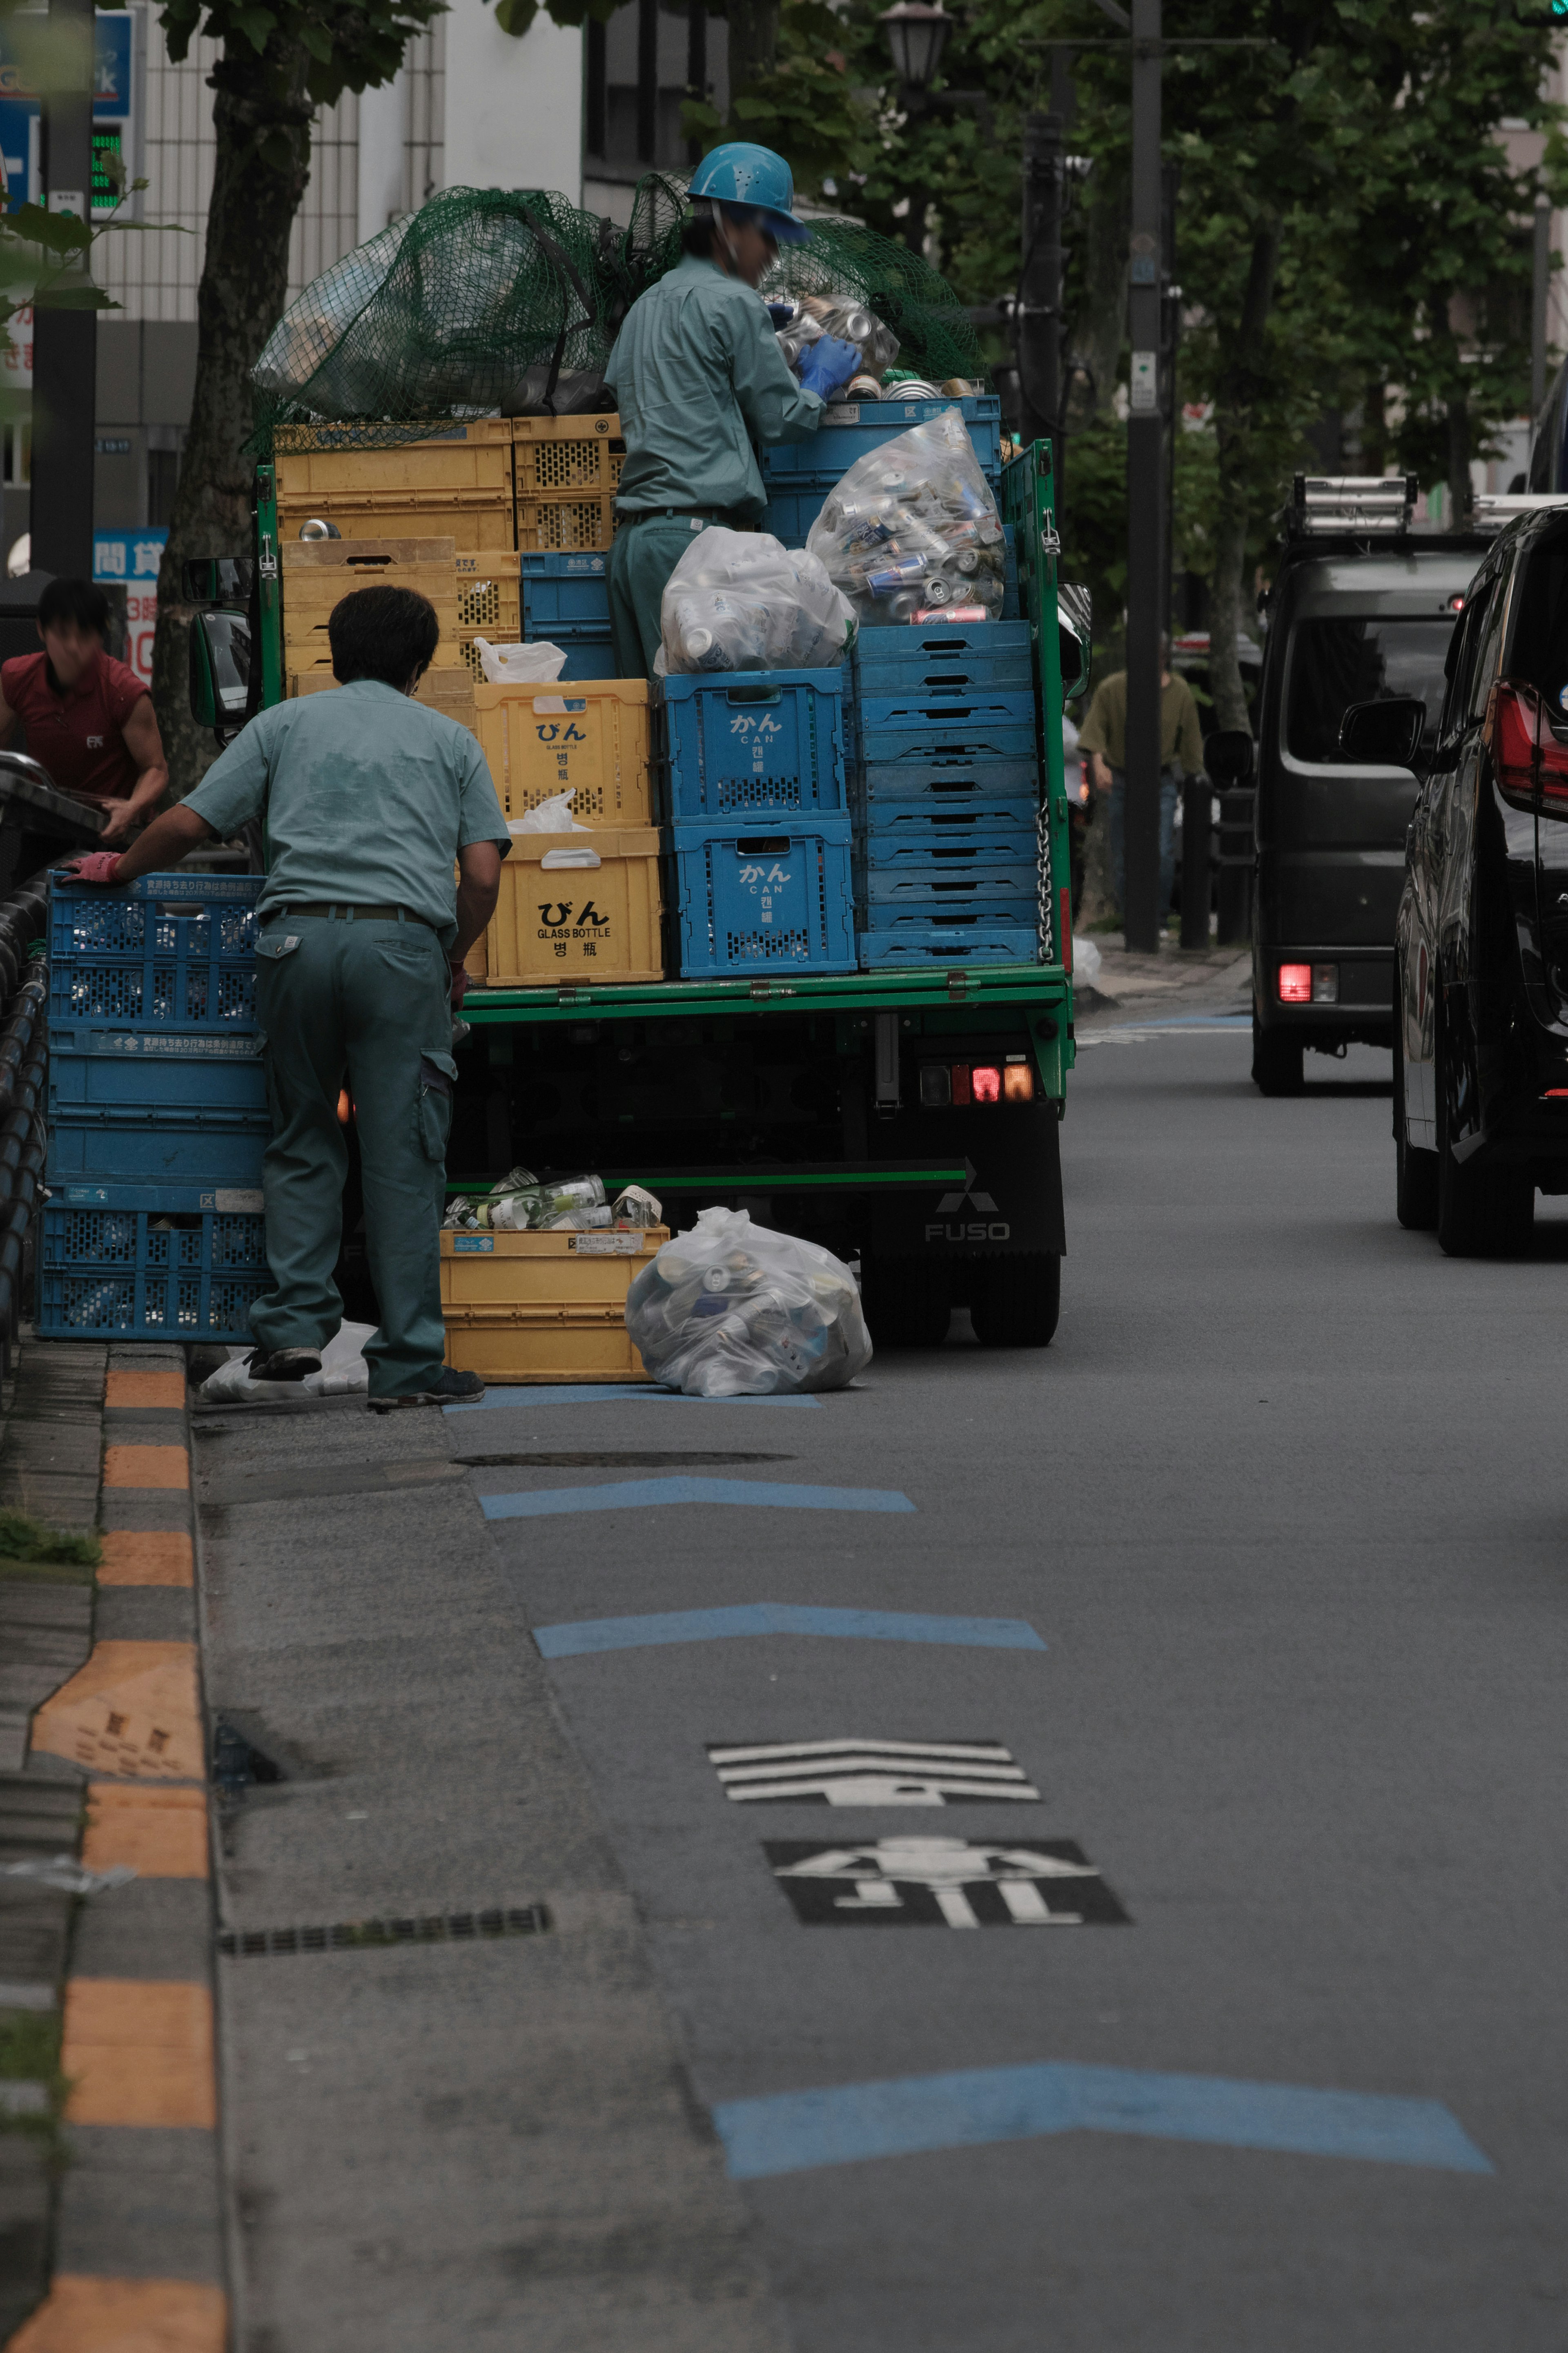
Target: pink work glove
97	866
459	984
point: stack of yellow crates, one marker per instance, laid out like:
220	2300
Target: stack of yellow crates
457	484
567	470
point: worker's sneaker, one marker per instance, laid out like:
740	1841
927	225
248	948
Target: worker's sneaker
447	1388
283	1364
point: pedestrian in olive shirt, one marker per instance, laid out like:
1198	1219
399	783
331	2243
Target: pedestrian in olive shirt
1102	739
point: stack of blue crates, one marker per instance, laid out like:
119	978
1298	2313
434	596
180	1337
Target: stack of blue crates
567	601
152	1230
945	795
752	779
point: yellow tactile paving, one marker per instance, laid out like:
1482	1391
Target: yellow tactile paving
131	1710
136	2052
145	1389
125	2316
161	1833
146	1557
146	1466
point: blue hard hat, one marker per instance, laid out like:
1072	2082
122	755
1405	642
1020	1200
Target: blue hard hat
741	174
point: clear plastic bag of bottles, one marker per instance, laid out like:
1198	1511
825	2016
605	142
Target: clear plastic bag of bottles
912	529
739	600
734	1310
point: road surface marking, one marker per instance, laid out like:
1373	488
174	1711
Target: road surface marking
162	1833
593	1634
137	2053
519	1395
146	1466
870	1772
145	1557
634	1493
844	2124
924	1882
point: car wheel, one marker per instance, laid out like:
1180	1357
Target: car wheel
1483	1211
1416	1170
1013	1303
907	1301
1276	1061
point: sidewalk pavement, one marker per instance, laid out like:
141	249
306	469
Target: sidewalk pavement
1174	984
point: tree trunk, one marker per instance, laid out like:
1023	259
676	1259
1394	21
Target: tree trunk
1235	394
245	278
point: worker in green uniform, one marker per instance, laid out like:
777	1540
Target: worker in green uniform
698	376
368	803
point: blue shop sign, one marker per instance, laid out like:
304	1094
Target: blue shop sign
129	559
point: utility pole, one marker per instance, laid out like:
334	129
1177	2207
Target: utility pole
65	342
1038	318
1146	559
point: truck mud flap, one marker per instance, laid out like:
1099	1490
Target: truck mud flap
1011	1197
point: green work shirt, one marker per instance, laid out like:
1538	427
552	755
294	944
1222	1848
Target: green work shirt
1105	729
696	364
364	796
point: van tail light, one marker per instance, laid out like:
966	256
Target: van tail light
1295	984
1528	759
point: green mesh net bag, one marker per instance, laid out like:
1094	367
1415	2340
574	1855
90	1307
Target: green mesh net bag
490	300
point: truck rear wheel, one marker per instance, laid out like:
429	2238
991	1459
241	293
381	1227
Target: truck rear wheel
1013	1303
908	1302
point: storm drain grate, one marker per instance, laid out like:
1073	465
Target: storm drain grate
352	1935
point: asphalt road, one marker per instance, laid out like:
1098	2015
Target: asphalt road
1255	1576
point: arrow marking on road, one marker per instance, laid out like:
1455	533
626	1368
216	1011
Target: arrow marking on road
678	1489
593	1634
845	2124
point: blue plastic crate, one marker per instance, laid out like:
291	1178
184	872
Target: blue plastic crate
906	833
884	901
161	1200
764	901
144	1073
851	427
943	658
119	1145
1012	603
978	944
589	654
171	951
943	783
755	744
149	1274
789	514
563	592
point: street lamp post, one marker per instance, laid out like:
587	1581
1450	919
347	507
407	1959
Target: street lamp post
1145	498
916	35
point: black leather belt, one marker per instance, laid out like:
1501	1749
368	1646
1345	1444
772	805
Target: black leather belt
680	514
346	907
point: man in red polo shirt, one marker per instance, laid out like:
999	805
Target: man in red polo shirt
88	719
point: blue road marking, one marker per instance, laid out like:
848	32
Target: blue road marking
521	1395
593	1634
843	2124
678	1489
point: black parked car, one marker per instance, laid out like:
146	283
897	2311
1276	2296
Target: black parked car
1481	1070
1352	617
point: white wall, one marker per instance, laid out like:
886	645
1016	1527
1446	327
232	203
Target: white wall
513	108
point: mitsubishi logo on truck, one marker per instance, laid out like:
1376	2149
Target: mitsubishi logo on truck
972	1229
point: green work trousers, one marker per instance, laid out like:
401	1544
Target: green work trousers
642	557
364	1004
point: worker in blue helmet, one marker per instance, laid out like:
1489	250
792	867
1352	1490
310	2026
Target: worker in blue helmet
700	381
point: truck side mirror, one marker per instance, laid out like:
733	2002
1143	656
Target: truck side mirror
220	671
1228	755
1074	636
217	579
1383	735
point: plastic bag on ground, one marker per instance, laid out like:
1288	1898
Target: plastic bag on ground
344	1373
739	600
553	815
912	528
520	665
734	1310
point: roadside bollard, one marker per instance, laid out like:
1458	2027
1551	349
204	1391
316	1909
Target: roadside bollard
1237	859
1197	816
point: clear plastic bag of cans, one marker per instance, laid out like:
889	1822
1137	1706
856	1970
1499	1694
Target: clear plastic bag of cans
801	320
739	600
734	1310
913	532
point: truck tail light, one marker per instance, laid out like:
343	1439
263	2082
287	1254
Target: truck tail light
1018	1083
961	1092
986	1082
1527	757
1064	920
936	1086
1295	984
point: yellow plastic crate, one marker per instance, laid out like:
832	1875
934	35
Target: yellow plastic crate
488	596
566	457
320	461
451	691
318	574
576	922
473	518
566	524
593	733
543	1307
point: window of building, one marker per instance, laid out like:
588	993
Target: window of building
644	63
